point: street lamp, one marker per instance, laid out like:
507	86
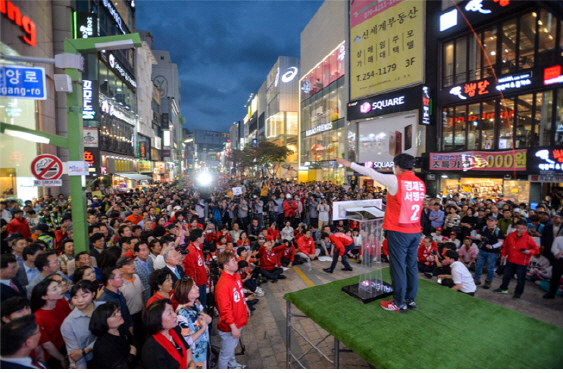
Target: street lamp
74	141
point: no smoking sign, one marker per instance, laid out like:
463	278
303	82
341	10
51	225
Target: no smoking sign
47	169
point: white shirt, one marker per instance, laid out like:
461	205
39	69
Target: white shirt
389	181
557	246
159	262
461	275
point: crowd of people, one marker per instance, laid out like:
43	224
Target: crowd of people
163	262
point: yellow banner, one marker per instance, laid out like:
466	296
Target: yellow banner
387	45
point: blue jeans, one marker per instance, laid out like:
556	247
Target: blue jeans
203	295
509	271
403	249
424	269
490	259
227	354
344	256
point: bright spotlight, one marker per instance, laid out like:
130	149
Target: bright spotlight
204	179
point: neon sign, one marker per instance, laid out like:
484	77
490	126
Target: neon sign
117	66
115	14
552	75
476	6
13	13
379	105
425	106
87	100
514	81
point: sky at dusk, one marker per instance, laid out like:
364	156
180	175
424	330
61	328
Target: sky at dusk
224	49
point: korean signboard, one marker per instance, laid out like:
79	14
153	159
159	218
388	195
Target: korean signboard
409	99
90	137
545	161
23	82
387	40
144	166
511	160
120	165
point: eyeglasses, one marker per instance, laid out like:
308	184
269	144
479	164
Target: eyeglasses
116	313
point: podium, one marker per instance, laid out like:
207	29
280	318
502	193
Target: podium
369	215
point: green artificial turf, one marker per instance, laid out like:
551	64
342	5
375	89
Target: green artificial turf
448	330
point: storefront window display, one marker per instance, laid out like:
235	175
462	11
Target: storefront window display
514	122
325	73
323	146
517	190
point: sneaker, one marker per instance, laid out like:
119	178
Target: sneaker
428	274
500	291
239	366
516	296
411	304
487	284
548	296
327	270
390	306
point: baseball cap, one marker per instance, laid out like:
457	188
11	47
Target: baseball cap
269	238
517	210
122	261
492	218
439	229
177	208
13	236
453	234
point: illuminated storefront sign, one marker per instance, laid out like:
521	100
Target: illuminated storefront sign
512	160
13	13
89	157
448	20
115	14
552	75
318	129
85	25
545	161
114	64
120	165
514	81
425	119
89	99
366	107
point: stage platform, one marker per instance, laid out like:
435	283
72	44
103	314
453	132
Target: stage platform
448	330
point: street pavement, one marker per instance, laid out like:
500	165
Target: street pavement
264	336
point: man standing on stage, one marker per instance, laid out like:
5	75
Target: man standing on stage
405	197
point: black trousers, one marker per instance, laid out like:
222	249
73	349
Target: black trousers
556	275
272	274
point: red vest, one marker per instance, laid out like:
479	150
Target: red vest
403	210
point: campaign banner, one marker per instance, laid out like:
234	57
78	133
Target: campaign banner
387	40
510	160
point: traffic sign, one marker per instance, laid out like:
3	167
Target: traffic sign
47	167
23	82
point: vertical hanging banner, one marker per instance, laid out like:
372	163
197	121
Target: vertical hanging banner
387	42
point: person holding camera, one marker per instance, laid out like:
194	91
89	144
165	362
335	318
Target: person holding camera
491	239
460	278
516	252
258	210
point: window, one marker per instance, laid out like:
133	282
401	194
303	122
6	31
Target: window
506	123
508	51
448	64
461	60
547	27
448	128
523	136
487	125
460	127
527	40
474	113
490	46
544	105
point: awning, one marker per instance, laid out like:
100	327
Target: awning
135	176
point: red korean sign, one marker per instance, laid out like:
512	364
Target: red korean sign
510	160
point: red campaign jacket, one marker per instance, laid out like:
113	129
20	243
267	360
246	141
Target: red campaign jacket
194	265
269	261
289	253
230	302
340	241
512	245
289	208
424	254
210	237
219	234
274	233
306	246
19	226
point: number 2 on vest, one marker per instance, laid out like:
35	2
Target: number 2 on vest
416	209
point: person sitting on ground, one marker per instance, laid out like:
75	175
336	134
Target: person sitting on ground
426	259
442	267
343	244
306	247
287	233
288	257
539	268
249	279
115	347
269	260
461	279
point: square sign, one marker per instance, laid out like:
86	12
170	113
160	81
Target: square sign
23	82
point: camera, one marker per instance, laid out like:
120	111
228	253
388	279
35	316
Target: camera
483	242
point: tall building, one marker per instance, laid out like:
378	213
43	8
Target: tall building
499	99
166	79
323	135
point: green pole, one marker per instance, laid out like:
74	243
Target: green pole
76	153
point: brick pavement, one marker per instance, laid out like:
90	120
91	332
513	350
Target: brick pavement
264	337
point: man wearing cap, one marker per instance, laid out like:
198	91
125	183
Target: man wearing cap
491	238
455	240
9	242
19	224
405	197
41	232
